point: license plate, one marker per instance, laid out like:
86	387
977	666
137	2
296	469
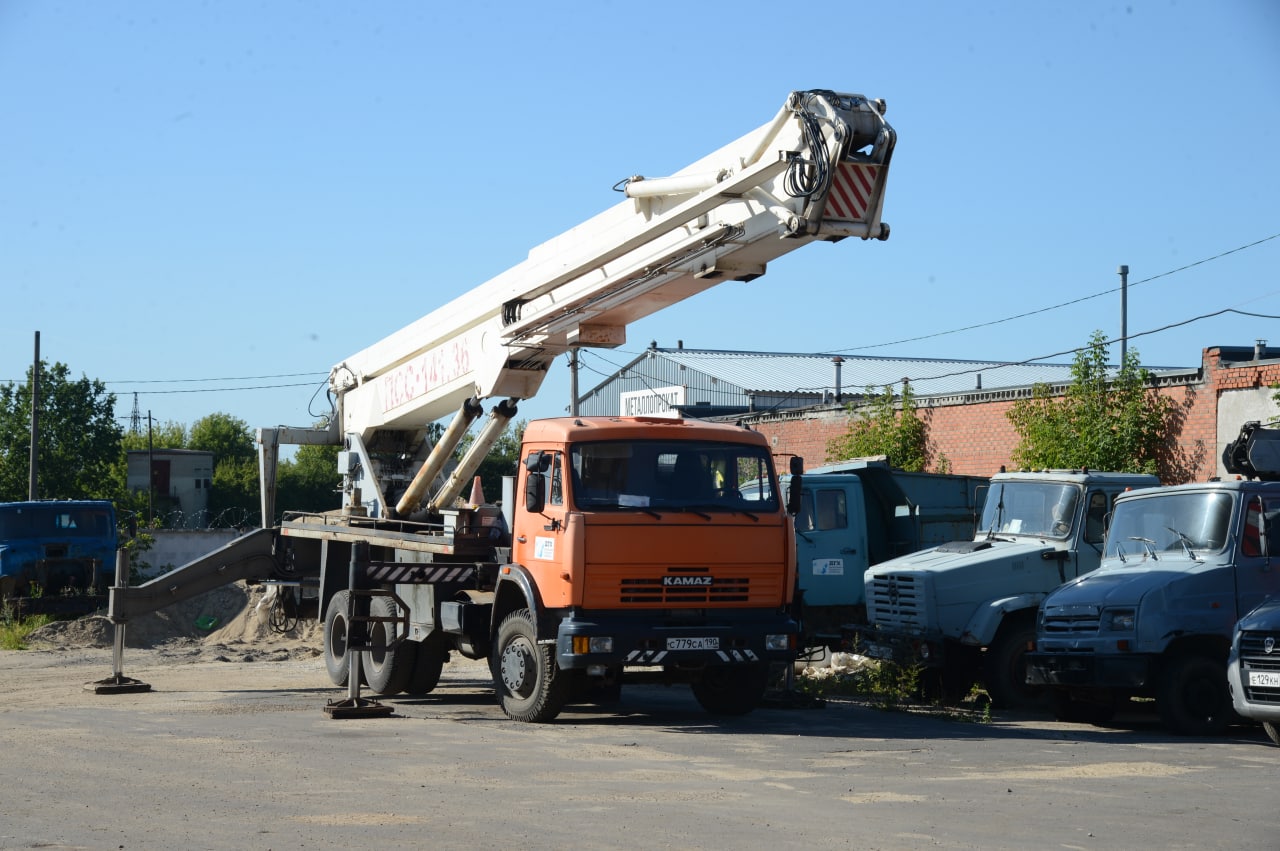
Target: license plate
878	651
1264	679
693	643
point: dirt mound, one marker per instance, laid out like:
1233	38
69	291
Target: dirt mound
233	614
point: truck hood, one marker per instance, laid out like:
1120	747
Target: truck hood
1109	587
1264	618
963	572
962	554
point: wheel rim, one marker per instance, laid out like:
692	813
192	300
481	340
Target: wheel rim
338	637
518	667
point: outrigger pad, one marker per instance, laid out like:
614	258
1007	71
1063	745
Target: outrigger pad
357	708
118	684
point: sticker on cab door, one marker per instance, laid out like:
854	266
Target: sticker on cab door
544	548
828	567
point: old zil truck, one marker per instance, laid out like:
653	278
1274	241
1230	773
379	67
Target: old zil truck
964	611
1182	565
630	554
57	556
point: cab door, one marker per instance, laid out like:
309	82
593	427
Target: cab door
539	540
1258	556
831	544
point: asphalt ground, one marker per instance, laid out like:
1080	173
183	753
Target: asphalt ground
240	754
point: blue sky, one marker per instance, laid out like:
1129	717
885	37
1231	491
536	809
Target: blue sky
210	204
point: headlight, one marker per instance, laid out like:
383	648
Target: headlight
1120	620
777	642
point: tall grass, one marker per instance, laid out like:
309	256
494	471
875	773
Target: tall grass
15	629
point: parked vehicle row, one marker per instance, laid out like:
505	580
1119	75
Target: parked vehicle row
1178	610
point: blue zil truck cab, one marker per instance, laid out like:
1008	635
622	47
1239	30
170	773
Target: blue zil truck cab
1181	566
48	547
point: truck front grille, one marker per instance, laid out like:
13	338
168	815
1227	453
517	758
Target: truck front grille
651	590
897	601
1071	624
1254	657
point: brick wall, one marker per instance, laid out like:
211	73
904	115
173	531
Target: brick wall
974	434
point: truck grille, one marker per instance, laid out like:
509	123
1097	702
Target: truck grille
897	600
1254	657
651	590
1076	623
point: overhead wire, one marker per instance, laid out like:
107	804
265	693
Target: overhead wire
1060	305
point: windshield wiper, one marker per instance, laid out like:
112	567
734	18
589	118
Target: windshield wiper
1147	544
1186	544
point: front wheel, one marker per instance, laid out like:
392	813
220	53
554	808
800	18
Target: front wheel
1272	730
731	689
529	684
1193	697
1006	668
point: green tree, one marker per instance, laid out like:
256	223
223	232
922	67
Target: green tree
79	441
227	437
1106	420
310	480
234	497
885	425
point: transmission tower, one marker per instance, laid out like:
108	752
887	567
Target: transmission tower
135	419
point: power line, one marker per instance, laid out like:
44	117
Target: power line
1062	304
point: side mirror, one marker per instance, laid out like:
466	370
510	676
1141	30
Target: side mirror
795	488
535	484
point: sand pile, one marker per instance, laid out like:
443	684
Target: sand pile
236	614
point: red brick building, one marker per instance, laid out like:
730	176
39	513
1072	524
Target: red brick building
972	430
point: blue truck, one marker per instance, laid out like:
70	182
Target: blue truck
55	547
859	513
1181	566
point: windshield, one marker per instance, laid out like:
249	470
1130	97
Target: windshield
1043	509
672	474
1172	522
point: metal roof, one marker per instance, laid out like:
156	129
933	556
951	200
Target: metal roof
777	372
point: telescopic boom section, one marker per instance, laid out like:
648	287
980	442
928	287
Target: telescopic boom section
816	171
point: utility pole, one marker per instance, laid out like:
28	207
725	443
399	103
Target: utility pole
151	475
1124	314
573	382
33	491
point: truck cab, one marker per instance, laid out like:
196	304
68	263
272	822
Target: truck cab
1181	565
966	609
861	512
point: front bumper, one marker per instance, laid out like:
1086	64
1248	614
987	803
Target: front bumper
1131	671
728	638
906	649
1246	699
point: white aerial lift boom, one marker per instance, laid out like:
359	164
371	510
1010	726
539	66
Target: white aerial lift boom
817	171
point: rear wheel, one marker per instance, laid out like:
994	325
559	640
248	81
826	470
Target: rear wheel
388	670
530	685
1193	697
731	689
430	660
